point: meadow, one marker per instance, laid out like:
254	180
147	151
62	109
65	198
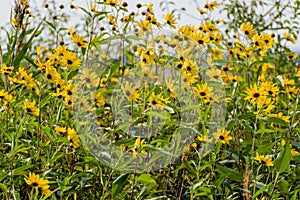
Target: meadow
126	104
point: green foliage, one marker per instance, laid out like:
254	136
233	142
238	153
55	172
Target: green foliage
221	110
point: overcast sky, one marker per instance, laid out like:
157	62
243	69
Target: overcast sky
189	5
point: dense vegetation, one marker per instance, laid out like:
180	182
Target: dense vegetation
127	105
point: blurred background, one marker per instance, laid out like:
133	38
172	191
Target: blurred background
187	8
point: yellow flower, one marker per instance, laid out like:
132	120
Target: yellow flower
5	70
217	54
52	75
37	182
293	151
79	41
280	116
112	2
200	38
289	38
69	59
130	92
265	160
138	147
73	138
204	139
267	39
89	79
211	6
171	88
30	108
291	91
283	142
271	89
202	12
293	56
247	29
157	101
235	78
203	91
59	129
222	136
170	20
214	74
255	94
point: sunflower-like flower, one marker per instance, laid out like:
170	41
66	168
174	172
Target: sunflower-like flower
200	38
69	59
215	74
203	91
217	53
265	160
78	40
212	5
169	18
5	70
271	89
287	36
30	107
73	138
157	101
293	151
37	182
291	91
280	116
255	94
112	2
222	136
60	130
138	147
202	12
52	75
89	79
130	92
267	39
235	78
247	29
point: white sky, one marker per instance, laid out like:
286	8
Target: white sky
5	8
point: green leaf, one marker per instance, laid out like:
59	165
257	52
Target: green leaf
21	170
146	178
162	115
283	161
263	130
189	168
23	51
283	185
266	147
113	69
275	120
118	184
3	188
230	173
246	116
294	197
230	125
